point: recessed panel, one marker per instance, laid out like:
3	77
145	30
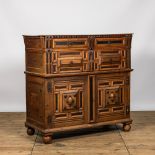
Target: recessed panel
104	42
70	43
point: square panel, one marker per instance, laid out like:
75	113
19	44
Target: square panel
112	96
70	100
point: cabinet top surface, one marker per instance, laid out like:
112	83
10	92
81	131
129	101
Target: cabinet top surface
81	35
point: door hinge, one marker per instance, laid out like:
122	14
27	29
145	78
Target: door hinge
49	87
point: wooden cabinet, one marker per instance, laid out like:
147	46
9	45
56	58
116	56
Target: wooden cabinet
77	81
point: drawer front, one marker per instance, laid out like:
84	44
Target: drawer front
69	61
112	97
111	59
106	42
70	43
70	103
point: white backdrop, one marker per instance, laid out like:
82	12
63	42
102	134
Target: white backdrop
18	17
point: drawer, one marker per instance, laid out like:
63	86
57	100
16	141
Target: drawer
107	59
70	43
106	42
69	61
112	95
70	101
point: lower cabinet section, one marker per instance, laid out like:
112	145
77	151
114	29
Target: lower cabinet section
68	103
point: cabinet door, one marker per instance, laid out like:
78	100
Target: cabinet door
112	97
70	102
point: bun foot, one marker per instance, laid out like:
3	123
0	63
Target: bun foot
30	131
126	127
47	139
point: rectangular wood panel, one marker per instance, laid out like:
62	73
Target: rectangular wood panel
104	42
70	43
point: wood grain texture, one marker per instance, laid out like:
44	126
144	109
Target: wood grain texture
77	81
103	140
13	136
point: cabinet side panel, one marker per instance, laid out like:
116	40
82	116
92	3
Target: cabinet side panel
35	54
35	101
34	42
35	61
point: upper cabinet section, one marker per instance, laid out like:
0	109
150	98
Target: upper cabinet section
67	54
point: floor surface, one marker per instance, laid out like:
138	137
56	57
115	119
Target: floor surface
108	140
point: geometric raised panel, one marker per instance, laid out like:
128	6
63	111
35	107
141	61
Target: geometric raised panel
69	100
112	96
